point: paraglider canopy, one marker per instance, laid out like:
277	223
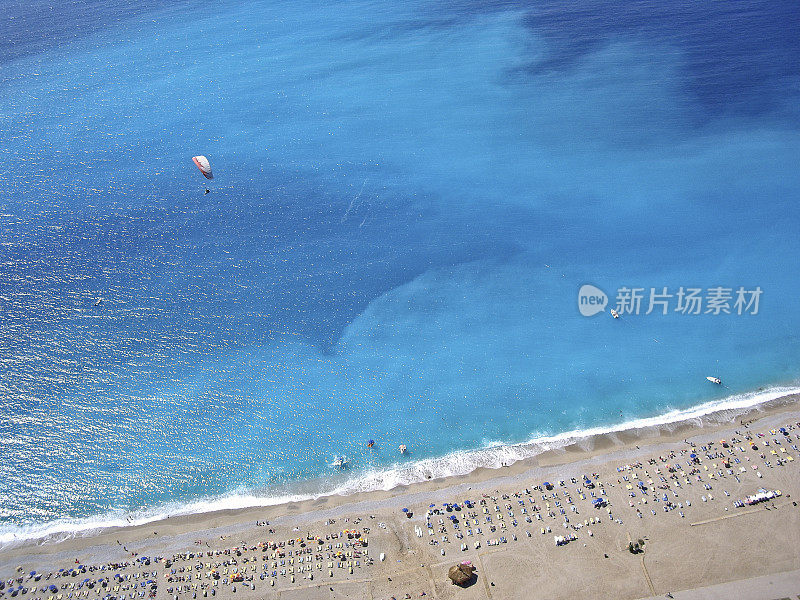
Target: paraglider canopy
205	167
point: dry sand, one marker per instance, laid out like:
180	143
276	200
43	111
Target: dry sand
691	551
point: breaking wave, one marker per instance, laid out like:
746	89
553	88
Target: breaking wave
492	456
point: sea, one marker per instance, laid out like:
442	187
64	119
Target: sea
416	208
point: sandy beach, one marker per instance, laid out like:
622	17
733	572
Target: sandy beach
558	525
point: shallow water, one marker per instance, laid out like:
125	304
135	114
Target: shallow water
406	202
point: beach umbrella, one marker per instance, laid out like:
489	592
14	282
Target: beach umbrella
431	506
405	510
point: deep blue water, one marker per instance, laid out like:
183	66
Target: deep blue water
406	201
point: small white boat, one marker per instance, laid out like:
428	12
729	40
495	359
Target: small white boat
98	302
403	449
339	462
614	314
716	380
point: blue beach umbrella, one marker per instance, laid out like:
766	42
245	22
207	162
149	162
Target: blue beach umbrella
405	510
431	506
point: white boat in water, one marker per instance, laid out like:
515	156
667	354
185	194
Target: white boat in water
716	380
614	314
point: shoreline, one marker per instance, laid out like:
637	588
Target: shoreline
573	447
693	543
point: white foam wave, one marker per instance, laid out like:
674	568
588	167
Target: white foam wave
459	463
738	402
462	463
62	529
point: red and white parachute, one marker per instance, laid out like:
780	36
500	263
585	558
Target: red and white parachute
205	167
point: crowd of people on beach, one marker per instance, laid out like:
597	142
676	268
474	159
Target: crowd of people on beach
125	580
665	483
290	559
201	572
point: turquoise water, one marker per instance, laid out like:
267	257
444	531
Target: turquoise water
406	201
